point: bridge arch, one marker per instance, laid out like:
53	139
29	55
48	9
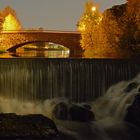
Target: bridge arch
15	47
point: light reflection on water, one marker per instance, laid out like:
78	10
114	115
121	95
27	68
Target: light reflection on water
39	49
34	53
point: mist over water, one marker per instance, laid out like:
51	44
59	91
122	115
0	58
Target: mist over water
112	104
109	111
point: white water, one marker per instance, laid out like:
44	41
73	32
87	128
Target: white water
114	103
109	112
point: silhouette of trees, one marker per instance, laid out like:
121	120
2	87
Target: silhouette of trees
130	38
113	25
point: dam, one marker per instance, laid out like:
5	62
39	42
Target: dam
78	79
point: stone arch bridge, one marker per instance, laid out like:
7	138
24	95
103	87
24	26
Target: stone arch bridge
11	40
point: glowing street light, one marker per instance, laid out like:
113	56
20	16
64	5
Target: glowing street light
93	8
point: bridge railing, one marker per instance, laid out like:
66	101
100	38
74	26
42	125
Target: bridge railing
39	31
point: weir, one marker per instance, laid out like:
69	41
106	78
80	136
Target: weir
77	79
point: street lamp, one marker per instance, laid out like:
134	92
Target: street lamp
93	8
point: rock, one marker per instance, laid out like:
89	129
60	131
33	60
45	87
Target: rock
73	112
81	114
87	106
133	112
61	111
131	86
26	127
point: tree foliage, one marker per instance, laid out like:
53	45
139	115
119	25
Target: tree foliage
132	24
9	12
112	24
1	21
116	35
88	24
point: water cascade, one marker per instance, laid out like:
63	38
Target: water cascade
110	111
77	79
43	80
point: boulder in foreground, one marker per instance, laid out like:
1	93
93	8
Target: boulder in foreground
20	127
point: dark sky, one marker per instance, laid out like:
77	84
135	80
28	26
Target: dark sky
52	14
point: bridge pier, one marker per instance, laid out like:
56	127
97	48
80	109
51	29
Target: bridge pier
76	53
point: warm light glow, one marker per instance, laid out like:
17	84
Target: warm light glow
93	8
82	27
100	19
11	23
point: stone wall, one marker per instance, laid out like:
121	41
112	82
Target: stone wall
70	40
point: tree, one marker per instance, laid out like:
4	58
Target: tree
8	10
113	27
101	33
130	39
87	25
1	21
114	34
10	22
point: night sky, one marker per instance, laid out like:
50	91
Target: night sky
52	14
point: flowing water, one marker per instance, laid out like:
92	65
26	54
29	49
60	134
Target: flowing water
77	79
32	86
109	112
